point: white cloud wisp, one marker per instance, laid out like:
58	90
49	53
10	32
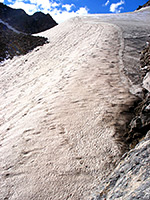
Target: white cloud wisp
68	7
61	16
116	7
107	2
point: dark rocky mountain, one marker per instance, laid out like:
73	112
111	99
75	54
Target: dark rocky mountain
145	5
13	43
16	28
18	19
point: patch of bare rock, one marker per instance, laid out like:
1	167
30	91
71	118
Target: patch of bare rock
15	44
16	28
25	23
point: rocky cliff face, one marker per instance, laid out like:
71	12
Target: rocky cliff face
22	22
13	43
16	28
140	124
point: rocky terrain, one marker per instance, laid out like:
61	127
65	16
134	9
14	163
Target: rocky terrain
22	22
13	44
16	28
74	114
140	124
145	5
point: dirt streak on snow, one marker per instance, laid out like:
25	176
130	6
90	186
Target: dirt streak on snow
58	109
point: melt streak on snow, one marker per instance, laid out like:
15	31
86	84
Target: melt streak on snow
10	27
58	109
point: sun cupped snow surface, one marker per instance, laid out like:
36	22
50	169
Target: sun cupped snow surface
58	109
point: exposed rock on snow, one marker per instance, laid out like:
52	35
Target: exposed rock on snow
13	43
15	22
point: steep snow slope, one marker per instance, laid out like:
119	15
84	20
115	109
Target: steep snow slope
61	105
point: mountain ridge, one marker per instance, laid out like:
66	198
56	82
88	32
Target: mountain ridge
18	19
16	29
15	44
144	5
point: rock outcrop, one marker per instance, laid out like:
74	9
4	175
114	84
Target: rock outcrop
140	124
12	43
16	28
22	22
145	5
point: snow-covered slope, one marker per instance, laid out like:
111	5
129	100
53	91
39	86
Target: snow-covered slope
62	104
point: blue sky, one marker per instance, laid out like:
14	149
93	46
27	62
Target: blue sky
61	10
